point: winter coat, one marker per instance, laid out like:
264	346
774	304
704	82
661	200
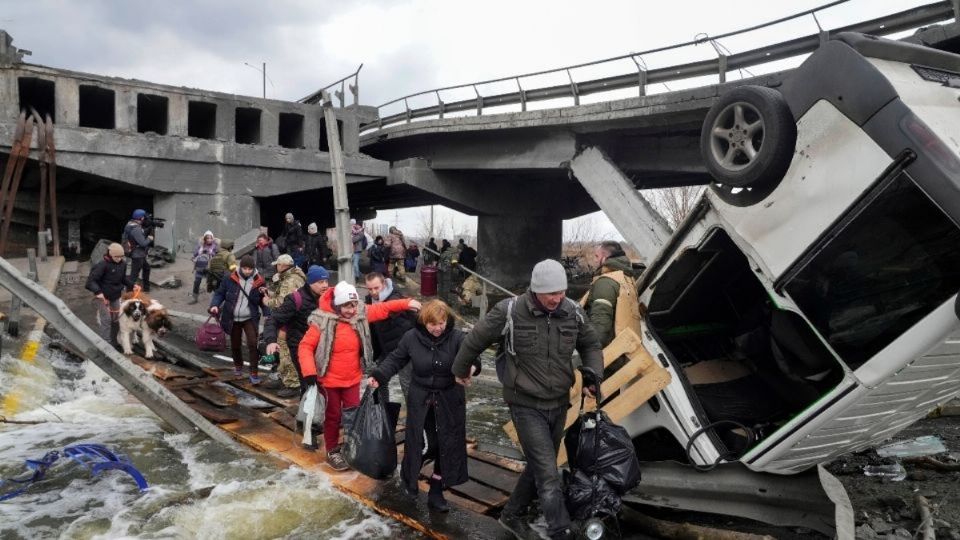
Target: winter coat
343	368
229	293
293	235
358	237
109	278
291	318
315	249
203	254
387	333
395	244
541	372
134	239
265	255
601	301
432	359
283	284
468	258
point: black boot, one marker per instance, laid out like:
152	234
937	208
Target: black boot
435	498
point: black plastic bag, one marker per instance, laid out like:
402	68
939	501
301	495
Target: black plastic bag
595	445
370	446
589	496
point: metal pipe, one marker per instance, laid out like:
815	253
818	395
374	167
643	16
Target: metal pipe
481	278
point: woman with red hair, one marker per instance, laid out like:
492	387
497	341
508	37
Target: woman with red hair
436	404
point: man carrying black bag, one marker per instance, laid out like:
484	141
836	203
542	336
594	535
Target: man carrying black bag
537	374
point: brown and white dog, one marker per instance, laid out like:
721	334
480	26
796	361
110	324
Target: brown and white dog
140	313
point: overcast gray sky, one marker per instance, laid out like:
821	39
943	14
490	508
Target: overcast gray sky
405	46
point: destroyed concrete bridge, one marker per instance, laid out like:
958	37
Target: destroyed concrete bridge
211	160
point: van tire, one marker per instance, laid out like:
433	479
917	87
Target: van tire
748	138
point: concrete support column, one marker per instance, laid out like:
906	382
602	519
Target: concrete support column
189	215
126	109
67	102
509	246
311	130
178	112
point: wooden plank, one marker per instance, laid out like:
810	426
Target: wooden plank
456	500
481	493
162	370
184	396
262	393
284	418
503	479
217	396
215	415
494	459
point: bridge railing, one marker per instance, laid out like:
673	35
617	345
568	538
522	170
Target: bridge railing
484	283
642	77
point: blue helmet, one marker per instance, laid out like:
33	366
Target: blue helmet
139	213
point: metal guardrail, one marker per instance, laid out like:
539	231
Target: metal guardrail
642	77
316	97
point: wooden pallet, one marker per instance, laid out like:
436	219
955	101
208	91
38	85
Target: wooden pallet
637	381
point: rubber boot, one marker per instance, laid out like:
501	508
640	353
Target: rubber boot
435	498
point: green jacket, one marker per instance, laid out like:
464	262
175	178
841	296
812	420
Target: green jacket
284	284
541	373
221	262
601	303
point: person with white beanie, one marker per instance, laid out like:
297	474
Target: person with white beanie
315	249
335	352
206	250
544	327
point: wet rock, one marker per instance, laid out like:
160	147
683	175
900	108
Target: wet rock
917	476
892	501
865	532
900	534
880	525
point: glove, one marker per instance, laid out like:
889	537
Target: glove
476	368
309	380
590	378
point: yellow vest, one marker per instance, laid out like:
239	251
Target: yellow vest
627	313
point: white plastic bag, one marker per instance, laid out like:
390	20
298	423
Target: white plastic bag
313	404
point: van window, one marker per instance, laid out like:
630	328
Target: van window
886	268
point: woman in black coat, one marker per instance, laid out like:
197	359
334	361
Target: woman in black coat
436	404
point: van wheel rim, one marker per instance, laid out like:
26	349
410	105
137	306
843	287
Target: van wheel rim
736	136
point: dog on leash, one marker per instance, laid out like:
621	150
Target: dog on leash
141	317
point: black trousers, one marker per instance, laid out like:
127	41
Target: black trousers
138	265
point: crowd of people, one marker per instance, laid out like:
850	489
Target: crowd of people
335	339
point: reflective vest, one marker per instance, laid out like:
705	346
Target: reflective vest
627	314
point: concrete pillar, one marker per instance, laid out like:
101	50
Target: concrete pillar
126	108
311	130
351	131
226	120
509	246
178	111
269	126
9	94
188	215
67	102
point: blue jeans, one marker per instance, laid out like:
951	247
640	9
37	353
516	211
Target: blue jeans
540	432
356	266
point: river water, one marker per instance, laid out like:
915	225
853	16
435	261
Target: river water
198	488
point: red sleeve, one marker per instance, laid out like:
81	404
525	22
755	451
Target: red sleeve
382	310
307	350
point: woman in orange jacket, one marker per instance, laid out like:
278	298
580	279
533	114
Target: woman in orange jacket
337	349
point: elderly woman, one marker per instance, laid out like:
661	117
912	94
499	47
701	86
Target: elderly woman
436	404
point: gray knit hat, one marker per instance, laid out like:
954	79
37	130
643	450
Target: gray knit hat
548	276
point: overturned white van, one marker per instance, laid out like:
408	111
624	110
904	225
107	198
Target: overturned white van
805	308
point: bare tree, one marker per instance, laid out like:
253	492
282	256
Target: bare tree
674	203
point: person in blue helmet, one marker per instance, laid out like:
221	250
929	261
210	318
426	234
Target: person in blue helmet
135	245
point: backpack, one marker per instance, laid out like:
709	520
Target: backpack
202	261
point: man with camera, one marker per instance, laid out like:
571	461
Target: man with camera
136	241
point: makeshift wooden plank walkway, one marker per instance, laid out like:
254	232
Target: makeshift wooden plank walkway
270	430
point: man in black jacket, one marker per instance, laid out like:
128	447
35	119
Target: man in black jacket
386	334
292	316
537	373
106	281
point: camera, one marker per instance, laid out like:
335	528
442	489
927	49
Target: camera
151	223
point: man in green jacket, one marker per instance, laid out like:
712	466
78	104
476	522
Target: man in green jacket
614	273
537	373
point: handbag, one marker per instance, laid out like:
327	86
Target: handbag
210	336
